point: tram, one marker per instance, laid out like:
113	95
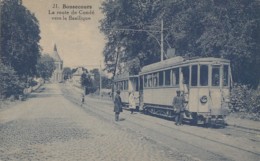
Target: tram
203	82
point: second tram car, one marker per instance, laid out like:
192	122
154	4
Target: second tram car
127	83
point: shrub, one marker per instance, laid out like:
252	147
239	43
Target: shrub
245	100
10	83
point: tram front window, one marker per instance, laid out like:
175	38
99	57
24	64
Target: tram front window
204	75
194	75
215	76
225	75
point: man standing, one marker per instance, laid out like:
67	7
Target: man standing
178	105
117	105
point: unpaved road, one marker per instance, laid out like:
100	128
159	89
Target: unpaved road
52	126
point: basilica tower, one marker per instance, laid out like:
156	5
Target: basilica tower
57	75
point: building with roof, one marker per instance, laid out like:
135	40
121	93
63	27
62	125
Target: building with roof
57	75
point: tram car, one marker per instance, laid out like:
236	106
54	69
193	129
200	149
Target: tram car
126	84
203	82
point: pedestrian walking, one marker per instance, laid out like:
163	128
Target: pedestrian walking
178	105
82	99
117	105
132	102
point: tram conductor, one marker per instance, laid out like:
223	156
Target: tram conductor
178	105
117	105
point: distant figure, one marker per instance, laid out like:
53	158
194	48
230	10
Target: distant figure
178	105
132	102
117	105
82	99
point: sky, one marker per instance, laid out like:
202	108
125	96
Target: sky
79	43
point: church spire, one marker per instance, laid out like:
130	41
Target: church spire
55	54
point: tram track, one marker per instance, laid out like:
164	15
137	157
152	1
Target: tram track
103	106
91	105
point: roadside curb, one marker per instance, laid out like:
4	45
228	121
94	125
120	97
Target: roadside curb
243	127
243	123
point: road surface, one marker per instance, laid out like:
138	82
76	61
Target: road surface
51	125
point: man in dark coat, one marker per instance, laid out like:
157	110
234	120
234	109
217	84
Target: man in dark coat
178	105
117	105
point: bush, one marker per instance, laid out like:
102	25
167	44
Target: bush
10	84
245	100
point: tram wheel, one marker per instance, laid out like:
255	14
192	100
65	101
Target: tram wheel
208	123
194	120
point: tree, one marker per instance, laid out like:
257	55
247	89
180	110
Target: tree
87	83
207	28
45	67
67	73
19	38
106	82
124	45
9	82
96	81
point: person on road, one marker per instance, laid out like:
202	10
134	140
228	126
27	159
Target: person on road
132	102
117	105
82	99
178	105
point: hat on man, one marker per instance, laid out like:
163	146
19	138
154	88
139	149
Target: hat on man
118	92
178	91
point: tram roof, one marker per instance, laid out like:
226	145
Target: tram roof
124	76
178	60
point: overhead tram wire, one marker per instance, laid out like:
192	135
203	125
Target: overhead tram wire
160	42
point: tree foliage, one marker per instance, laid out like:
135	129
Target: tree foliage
217	28
85	80
67	73
45	67
9	82
19	38
19	49
245	100
106	82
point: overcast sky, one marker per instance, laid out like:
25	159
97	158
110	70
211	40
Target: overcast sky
79	43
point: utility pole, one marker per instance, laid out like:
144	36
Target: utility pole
100	80
162	40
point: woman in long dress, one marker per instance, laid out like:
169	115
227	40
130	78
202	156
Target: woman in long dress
132	102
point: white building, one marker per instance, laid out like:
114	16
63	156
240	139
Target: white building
57	75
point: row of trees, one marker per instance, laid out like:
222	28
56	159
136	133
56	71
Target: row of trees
218	28
20	58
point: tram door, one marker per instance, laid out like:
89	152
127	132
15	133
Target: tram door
215	91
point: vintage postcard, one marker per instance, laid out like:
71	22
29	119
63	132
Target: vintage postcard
129	80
